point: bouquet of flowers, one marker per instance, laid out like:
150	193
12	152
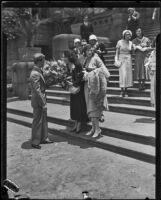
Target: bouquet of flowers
56	72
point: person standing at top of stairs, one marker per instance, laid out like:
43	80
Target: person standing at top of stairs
86	29
133	21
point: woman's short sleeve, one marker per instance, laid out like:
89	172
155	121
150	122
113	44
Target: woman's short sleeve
118	45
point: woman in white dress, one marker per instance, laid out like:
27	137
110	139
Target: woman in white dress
124	49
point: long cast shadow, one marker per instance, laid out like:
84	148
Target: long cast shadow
105	131
88	142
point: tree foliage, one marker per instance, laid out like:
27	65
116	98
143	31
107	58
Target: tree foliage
19	21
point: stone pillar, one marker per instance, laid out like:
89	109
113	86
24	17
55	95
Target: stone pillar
20	79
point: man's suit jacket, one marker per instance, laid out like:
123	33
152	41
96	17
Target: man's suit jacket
86	31
37	80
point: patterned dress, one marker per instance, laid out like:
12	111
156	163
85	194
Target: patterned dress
125	71
139	69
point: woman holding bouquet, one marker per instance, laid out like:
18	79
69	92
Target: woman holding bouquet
78	110
95	76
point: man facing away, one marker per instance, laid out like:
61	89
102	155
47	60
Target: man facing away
38	102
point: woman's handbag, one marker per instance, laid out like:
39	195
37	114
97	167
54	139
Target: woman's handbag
73	89
117	63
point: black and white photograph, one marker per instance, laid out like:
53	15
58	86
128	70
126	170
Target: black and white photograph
80	105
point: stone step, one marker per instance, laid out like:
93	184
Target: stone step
133	109
111	61
111	52
111	57
112	99
115	83
112	66
115	77
152	35
152	32
152	28
133	92
121	108
114	71
11	99
134	146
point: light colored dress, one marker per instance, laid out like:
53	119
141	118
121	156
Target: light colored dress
125	71
152	66
140	58
95	87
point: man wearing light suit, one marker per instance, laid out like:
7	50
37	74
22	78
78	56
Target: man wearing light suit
38	102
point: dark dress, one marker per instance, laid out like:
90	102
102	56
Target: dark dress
134	24
78	109
102	48
86	31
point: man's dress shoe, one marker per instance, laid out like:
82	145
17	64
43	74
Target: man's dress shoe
36	146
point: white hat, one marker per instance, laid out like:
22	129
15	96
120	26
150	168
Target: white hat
76	40
131	9
126	31
92	37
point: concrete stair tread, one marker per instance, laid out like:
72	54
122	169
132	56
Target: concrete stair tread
108	95
146	82
130	89
66	101
135	98
58	98
112	65
131	124
133	106
127	148
10	99
108	88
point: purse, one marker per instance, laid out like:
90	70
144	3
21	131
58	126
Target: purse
117	63
73	89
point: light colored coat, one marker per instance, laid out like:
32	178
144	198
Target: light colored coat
95	86
38	101
37	81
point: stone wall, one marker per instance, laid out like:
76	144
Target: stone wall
111	24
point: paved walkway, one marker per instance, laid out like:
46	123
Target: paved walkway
64	169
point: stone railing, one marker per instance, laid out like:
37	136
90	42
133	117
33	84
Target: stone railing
109	24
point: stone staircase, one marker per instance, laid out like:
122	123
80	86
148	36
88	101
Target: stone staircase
138	102
121	134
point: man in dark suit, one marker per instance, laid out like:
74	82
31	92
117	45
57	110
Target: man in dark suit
38	102
86	29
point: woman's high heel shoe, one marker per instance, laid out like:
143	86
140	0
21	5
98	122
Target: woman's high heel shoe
97	134
90	132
